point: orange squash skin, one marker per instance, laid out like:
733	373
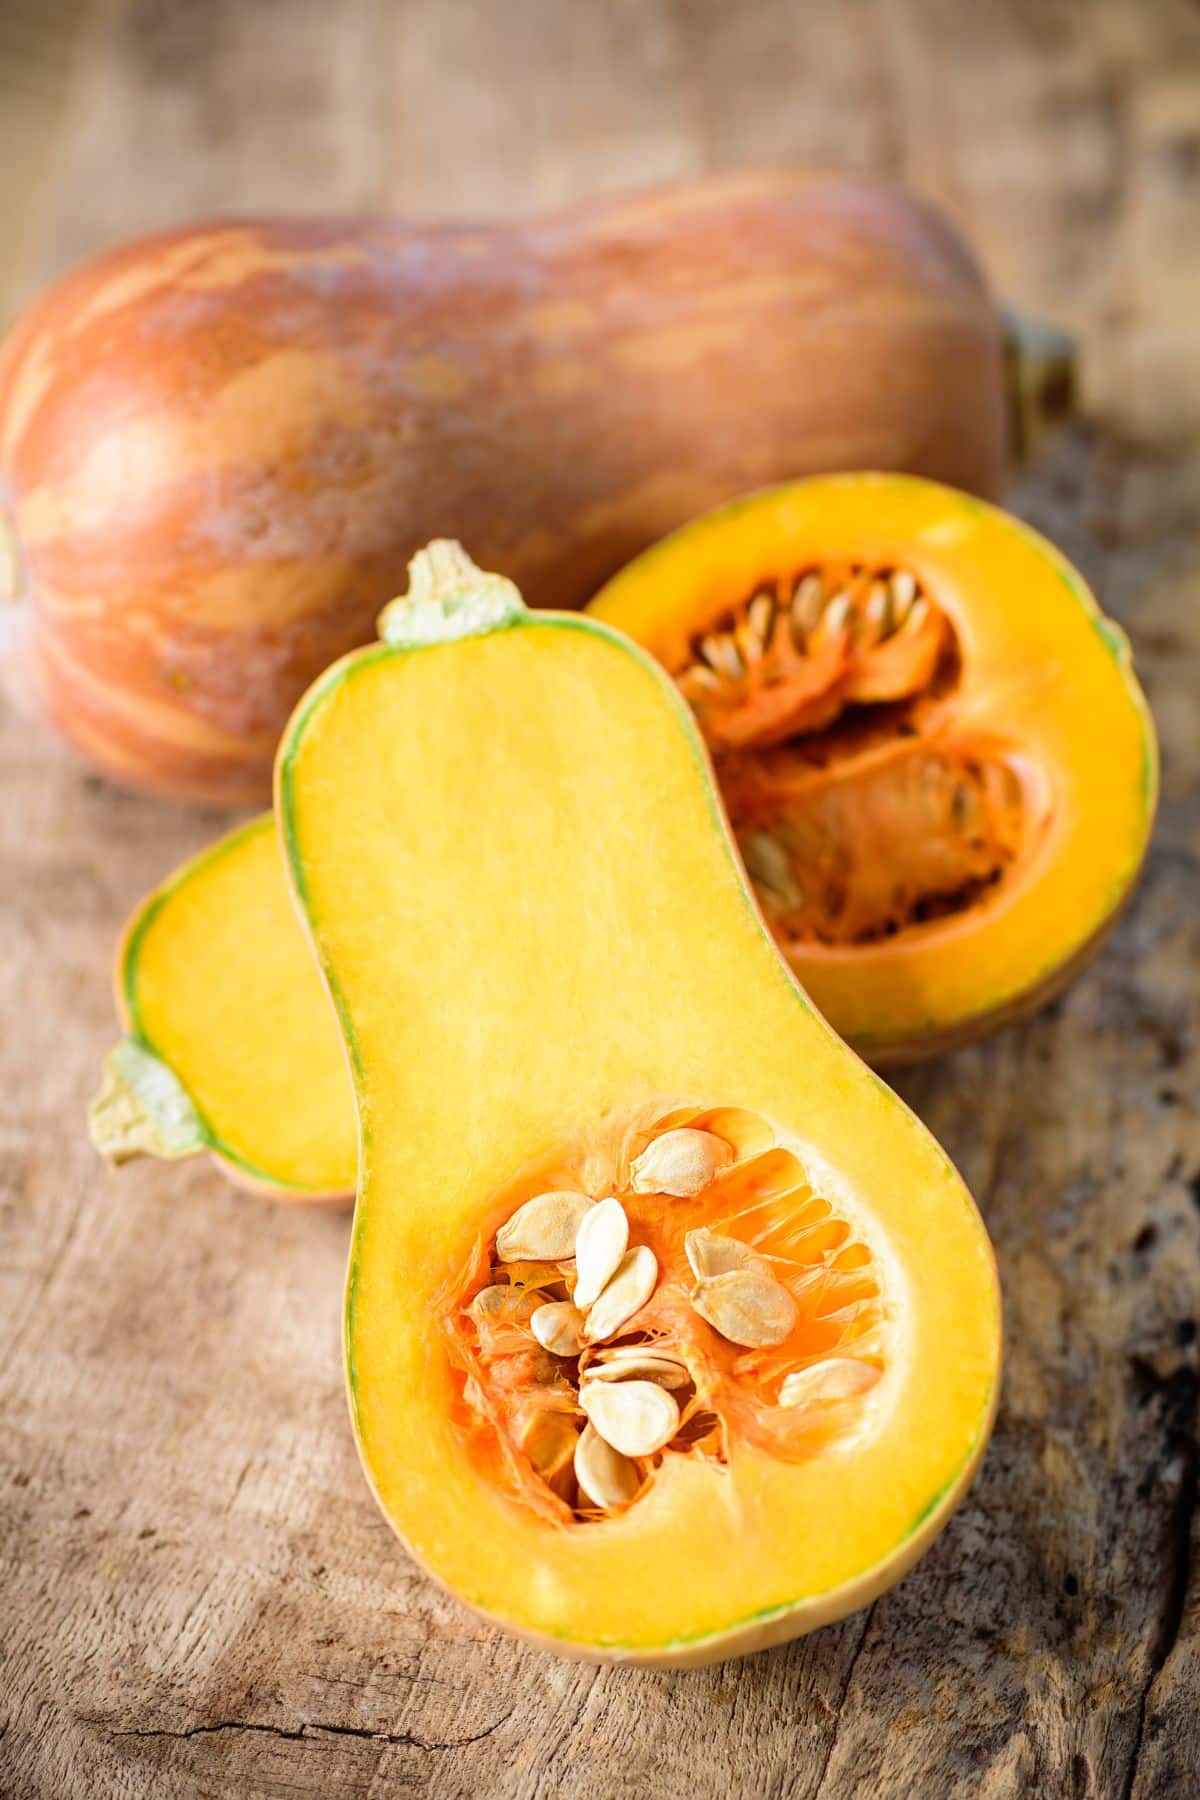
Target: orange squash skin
220	445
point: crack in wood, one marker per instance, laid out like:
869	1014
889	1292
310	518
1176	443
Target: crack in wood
837	1717
1180	1392
311	1729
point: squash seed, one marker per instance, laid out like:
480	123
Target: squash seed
873	608
635	1417
550	1442
503	1302
637	1364
681	1163
837	1378
808	598
699	675
917	614
770	866
903	584
605	1477
746	1307
602	1241
543	1230
760	616
721	654
557	1327
836	616
710	1253
534	1274
879	608
628	1291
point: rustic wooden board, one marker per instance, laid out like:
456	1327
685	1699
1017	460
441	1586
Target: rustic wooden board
199	1596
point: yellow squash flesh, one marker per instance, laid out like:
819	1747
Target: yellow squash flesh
512	862
232	1046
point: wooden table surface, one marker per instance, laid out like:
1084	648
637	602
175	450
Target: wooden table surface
199	1596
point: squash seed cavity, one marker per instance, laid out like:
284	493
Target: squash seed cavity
827	698
692	1290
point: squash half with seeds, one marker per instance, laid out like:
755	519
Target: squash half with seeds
742	1399
938	764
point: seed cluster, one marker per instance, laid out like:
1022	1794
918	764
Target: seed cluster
627	1395
858	810
799	651
594	1415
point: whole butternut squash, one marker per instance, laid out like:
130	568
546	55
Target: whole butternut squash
220	445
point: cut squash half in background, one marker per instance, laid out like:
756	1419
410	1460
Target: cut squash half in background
937	761
670	1332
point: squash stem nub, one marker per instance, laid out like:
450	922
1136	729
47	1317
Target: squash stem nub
448	597
142	1109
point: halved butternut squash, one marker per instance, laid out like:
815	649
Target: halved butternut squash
937	761
670	1332
232	1047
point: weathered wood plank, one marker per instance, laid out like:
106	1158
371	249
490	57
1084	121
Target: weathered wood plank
200	1597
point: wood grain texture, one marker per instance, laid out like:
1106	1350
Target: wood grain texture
199	1596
